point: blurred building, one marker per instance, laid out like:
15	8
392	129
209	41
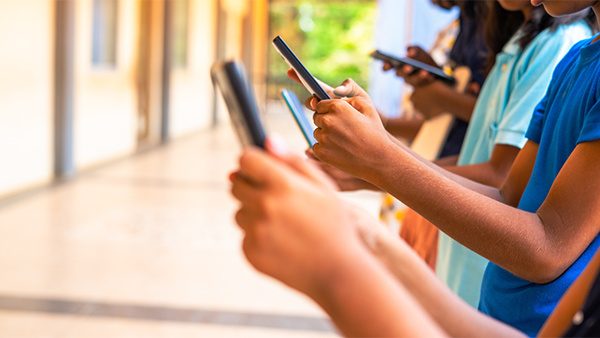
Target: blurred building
83	82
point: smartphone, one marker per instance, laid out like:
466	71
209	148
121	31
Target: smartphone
309	82
295	107
417	65
233	81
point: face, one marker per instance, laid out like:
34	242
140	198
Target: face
515	5
564	7
445	4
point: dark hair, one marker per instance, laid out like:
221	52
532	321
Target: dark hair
501	25
475	10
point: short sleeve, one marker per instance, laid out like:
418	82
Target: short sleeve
539	63
534	132
591	125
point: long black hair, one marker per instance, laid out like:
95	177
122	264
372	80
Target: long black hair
501	25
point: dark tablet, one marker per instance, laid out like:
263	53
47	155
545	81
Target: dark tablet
397	62
235	86
309	82
297	111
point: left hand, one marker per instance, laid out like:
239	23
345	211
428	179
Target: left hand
350	136
423	98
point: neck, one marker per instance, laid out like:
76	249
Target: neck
527	12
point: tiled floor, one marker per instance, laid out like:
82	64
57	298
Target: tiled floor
146	247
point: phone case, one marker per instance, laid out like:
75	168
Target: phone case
232	79
309	82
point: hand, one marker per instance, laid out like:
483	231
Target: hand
350	136
408	73
345	181
423	98
417	53
348	88
296	229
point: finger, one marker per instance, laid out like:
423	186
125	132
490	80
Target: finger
311	103
387	66
244	190
349	88
411	52
291	73
361	105
408	69
260	168
310	154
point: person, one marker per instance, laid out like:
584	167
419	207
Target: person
298	231
525	45
528	228
459	45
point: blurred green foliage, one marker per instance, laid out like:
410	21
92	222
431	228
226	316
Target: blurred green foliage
332	38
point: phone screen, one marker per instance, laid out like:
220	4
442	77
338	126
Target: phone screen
297	111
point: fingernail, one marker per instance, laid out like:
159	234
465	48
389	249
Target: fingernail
340	91
313	103
277	145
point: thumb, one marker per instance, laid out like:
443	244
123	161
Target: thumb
349	88
276	146
361	105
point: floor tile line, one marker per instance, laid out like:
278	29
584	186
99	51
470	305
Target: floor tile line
166	314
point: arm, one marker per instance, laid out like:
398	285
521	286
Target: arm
454	315
537	246
298	231
403	127
446	100
492	172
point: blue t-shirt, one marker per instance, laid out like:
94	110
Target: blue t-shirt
568	115
516	84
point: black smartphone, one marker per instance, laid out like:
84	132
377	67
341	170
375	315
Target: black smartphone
295	107
309	82
232	80
417	65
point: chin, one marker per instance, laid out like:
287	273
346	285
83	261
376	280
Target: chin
559	8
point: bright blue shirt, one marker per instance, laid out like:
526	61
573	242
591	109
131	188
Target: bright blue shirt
567	116
515	85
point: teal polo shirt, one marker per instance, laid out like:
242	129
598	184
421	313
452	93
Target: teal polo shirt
516	84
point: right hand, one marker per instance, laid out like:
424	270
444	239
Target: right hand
348	88
296	228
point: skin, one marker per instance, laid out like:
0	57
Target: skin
368	280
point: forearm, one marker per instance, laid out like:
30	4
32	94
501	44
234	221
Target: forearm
455	316
512	238
458	104
483	189
404	127
364	300
484	173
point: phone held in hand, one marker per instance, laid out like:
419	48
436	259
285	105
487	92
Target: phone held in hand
232	80
295	107
397	62
309	82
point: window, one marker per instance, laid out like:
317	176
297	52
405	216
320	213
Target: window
104	40
180	10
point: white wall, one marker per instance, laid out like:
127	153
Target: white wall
26	93
105	99
191	88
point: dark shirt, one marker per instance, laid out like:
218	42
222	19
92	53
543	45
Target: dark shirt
469	50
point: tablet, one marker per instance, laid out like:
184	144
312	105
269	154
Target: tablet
232	80
295	107
397	62
309	82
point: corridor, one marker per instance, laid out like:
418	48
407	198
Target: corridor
146	247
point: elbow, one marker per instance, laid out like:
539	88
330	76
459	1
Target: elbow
547	269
